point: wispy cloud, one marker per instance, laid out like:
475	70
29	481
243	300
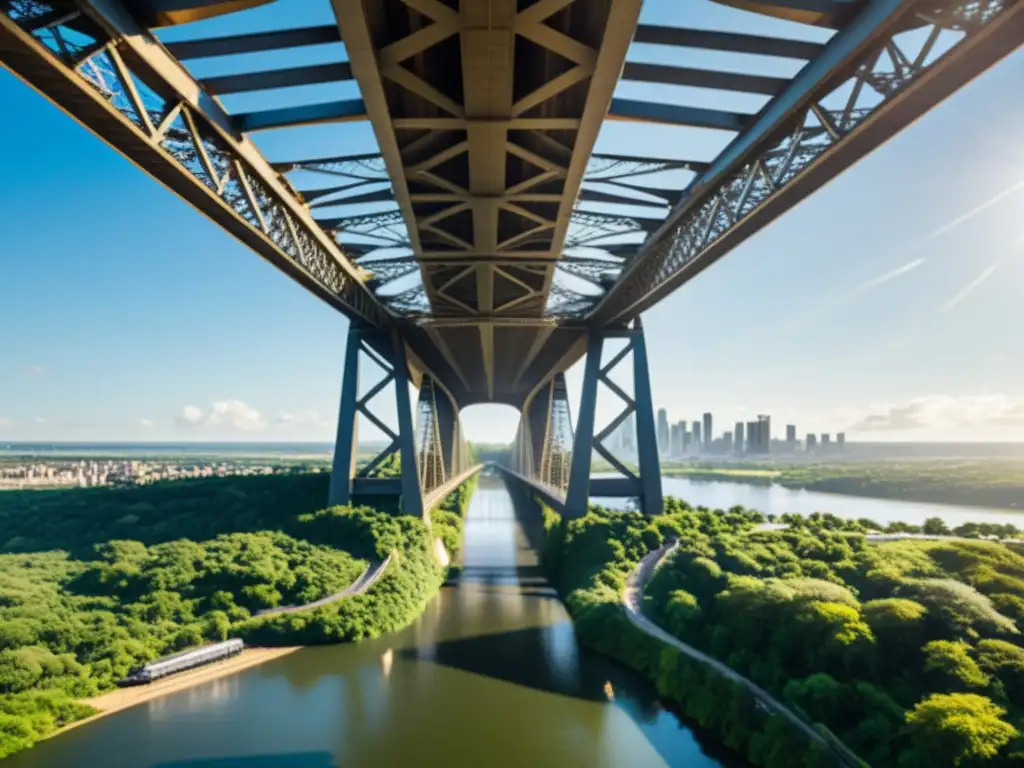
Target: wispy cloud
910	266
997	198
971	287
146	423
890	275
943	412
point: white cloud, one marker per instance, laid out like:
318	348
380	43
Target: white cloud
305	419
936	412
146	423
40	420
190	416
237	415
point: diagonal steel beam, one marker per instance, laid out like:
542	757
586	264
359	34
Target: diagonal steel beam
708	223
295	243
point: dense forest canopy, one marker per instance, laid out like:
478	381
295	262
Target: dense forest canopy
95	582
909	651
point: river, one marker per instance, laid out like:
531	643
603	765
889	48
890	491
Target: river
490	675
776	499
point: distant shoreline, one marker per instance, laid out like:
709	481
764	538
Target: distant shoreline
125	698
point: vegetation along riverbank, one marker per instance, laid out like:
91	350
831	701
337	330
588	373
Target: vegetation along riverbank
909	651
95	582
988	483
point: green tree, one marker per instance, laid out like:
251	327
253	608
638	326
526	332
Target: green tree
954	729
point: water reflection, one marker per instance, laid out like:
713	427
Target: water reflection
490	675
775	499
299	760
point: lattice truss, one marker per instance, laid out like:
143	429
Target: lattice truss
629	178
429	447
480	158
823	124
379	230
556	456
239	190
387	460
628	411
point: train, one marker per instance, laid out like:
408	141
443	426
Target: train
181	661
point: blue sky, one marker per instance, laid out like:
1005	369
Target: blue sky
889	304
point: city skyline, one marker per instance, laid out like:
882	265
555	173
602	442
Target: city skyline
881	307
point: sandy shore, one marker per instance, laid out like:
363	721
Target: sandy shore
123	698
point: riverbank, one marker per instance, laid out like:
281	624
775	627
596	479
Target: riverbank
123	698
993	485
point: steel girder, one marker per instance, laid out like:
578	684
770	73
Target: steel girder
95	62
863	88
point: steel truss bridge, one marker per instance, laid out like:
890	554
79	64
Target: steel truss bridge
474	253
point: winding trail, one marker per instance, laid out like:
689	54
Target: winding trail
632	599
366	580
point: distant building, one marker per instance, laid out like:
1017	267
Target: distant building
764	434
737	437
826	441
752	427
663	435
841	440
812	442
696	436
629	435
709	433
683	436
676	440
727	442
791	435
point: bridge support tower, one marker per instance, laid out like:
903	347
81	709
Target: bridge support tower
644	485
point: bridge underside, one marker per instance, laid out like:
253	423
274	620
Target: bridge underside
486	114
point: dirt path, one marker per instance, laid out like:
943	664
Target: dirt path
366	580
632	599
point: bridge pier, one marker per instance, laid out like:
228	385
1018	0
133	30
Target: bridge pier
347	484
644	485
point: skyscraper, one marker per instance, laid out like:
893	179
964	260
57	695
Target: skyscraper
812	442
826	441
841	440
752	440
683	441
709	433
629	434
663	435
727	442
737	437
696	436
676	435
791	436
764	433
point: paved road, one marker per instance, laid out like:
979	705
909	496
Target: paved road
632	600
366	580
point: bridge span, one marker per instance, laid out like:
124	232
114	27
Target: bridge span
486	247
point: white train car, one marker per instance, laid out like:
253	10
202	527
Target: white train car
183	660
